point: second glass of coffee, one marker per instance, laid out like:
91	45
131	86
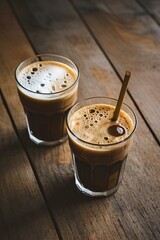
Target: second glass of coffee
99	145
47	86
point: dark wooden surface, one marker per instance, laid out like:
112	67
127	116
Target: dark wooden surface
38	198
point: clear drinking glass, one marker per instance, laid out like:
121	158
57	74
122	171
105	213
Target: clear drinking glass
46	112
98	168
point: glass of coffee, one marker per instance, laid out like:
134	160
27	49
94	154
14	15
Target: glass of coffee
47	86
99	145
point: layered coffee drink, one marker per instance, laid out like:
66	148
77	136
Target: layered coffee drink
47	87
99	145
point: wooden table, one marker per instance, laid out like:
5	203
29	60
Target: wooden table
38	197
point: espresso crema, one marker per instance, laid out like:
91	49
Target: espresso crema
94	124
47	77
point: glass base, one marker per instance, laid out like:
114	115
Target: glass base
89	192
42	142
94	194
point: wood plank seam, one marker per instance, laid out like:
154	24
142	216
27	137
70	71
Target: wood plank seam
148	12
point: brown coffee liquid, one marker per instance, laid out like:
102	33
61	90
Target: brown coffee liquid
99	178
98	168
48	97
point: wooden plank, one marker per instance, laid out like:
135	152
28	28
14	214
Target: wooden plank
22	208
123	216
153	7
3	229
131	39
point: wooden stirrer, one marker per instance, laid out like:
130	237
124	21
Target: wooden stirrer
121	95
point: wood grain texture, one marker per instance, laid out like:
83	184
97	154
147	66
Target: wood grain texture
131	40
23	214
133	212
22	209
153	7
3	228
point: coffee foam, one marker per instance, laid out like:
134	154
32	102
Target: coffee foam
47	77
90	124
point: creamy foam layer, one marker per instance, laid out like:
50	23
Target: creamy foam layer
47	77
92	123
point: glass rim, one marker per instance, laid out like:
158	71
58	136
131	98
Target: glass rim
42	55
98	144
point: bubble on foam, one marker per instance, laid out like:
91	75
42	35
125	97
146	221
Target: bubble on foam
91	110
34	69
94	129
106	138
63	85
53	88
47	77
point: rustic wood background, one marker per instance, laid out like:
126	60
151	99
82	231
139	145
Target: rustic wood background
38	197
